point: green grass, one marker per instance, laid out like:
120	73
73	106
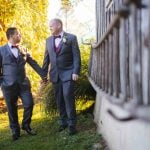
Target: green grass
48	138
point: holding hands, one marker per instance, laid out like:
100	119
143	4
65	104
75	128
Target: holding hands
44	80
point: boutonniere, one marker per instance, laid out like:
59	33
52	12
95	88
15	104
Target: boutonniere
64	39
23	50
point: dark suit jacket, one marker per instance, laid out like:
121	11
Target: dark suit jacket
66	62
12	70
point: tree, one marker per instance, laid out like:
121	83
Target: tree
31	18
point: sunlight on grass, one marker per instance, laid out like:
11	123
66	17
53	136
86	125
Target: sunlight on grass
37	114
48	137
82	105
4	121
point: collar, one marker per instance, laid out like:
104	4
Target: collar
61	34
10	44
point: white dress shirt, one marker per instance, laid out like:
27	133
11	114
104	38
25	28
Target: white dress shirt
57	40
13	50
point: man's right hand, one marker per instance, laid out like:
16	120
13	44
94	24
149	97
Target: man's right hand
44	80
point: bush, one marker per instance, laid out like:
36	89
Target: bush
48	99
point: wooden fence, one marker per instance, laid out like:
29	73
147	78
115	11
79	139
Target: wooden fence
120	59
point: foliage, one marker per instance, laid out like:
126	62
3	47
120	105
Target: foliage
83	88
30	17
67	4
48	98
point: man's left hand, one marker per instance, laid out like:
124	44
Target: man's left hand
75	77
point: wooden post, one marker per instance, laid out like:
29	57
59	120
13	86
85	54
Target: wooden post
136	56
122	60
145	32
116	72
110	90
106	65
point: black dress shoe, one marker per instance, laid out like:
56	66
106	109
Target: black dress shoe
29	130
72	130
62	127
15	136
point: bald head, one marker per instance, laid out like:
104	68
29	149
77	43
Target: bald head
57	21
56	26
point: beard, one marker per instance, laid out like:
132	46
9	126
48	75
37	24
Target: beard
18	40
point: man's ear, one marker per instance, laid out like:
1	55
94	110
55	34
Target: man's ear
59	25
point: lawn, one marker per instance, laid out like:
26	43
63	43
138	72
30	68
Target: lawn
48	138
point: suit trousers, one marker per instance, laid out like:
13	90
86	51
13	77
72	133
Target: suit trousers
64	92
11	95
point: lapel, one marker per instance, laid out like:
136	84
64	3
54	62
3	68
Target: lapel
61	44
51	47
10	53
20	57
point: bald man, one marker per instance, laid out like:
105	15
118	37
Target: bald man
63	55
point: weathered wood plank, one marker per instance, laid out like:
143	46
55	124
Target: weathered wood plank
116	72
106	65
145	33
136	57
110	90
122	60
103	66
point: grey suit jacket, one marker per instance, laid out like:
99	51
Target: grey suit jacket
12	70
66	62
